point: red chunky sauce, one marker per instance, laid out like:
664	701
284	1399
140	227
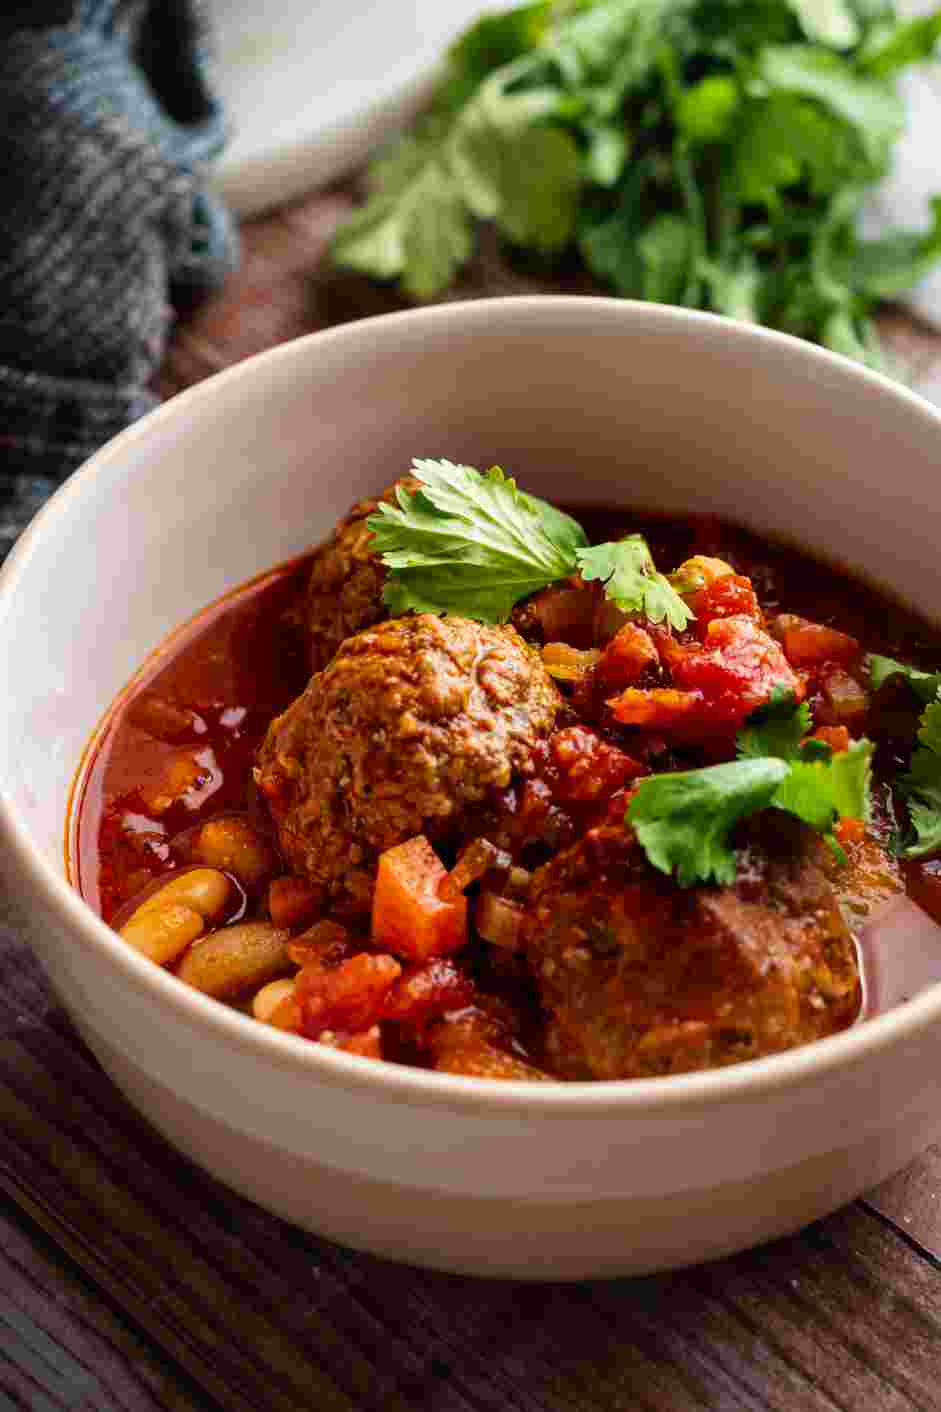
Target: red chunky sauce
177	750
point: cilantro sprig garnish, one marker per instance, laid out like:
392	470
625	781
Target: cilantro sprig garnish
920	787
475	544
630	579
684	821
925	685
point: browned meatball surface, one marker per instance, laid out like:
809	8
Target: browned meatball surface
410	724
344	591
641	978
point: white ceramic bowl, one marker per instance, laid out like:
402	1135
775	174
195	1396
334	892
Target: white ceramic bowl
591	401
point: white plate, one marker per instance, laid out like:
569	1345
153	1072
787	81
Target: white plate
310	86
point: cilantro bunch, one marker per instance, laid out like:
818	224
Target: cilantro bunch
710	153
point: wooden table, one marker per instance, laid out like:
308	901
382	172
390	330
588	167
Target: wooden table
130	1280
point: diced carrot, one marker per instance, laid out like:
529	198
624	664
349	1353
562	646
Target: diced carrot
850	831
409	916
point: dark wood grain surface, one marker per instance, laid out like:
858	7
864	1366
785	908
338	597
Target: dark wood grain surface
131	1280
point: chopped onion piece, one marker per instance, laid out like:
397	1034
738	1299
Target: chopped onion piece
499	920
476	859
568	663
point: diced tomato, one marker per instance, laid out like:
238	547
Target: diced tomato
287	1015
347	998
588	766
850	831
808	644
292	901
627	656
716	685
427	991
409	915
367	1043
326	943
737	668
730	596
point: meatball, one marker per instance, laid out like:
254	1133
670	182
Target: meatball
408	727
344	591
640	977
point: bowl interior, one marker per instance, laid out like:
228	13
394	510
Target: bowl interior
586	401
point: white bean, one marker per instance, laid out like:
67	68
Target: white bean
205	890
164	933
267	1000
236	959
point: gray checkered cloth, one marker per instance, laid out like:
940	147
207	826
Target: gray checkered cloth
107	126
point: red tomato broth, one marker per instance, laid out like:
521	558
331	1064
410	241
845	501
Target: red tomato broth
193	719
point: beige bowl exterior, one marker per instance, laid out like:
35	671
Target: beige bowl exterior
587	401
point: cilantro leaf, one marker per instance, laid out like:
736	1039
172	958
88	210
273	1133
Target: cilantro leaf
921	786
627	571
683	820
868	105
829	22
896	44
775	729
470	543
706	112
925	685
821	792
884	269
516	169
416	226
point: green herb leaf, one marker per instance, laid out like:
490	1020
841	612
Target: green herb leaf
827	22
884	269
416	226
868	105
821	792
782	142
706	112
921	786
469	543
631	580
896	44
776	729
926	685
683	821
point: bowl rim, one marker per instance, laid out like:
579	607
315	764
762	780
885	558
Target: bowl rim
671	1095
